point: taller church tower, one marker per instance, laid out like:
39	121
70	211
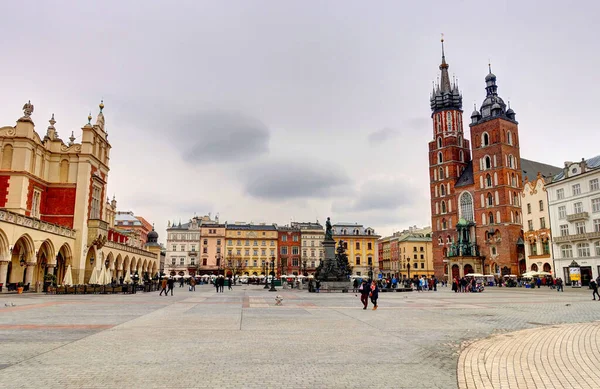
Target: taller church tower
449	155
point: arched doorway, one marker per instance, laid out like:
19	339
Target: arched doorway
119	267
22	253
547	268
522	266
534	267
45	255
468	269
4	256
455	271
90	263
63	260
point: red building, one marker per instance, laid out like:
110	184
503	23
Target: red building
288	256
395	256
475	207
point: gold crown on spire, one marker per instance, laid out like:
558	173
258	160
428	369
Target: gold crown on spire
101	105
90	118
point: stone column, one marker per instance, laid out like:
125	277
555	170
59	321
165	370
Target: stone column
29	274
3	273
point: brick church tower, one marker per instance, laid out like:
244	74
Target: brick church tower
475	206
449	154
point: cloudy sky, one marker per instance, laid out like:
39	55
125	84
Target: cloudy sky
271	111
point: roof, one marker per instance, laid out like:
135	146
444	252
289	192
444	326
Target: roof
127	217
466	178
252	227
530	169
591	164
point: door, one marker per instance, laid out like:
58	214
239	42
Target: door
455	271
586	275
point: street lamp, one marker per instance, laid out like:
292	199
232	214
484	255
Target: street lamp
273	276
266	270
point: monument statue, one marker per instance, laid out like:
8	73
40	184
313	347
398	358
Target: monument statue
27	109
328	230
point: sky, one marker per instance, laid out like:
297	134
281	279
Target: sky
279	111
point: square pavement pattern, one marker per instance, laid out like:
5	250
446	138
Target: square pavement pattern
241	339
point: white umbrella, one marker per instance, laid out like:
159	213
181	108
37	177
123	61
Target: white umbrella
473	275
68	281
94	277
187	276
177	277
102	277
127	278
108	276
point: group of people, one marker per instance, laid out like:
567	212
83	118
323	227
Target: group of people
465	285
219	283
369	291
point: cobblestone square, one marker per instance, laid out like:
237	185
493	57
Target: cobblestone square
240	338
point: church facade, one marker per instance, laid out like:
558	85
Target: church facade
475	185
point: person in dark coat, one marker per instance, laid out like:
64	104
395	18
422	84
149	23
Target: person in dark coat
594	288
170	285
364	290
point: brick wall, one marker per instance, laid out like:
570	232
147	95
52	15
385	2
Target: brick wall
4	190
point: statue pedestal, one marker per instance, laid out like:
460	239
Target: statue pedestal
336	286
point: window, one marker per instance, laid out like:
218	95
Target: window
247	243
580	227
461	155
357	245
272	243
181	261
444	225
421	248
576	189
594	185
597	245
369	260
562	212
422	265
546	247
564	229
491	218
439	142
35	204
466	206
583	250
485	139
295	238
263	252
369	246
511	162
284	238
541	203
566	251
443	207
174	248
414	265
312	252
441	173
96	196
247	252
229	242
528	208
530	224
488	162
533	248
192	261
173	261
440	157
596	225
255	243
218	242
488	181
205	250
443	190
182	248
295	250
596	205
193	247
205	241
284	250
560	194
295	262
542	222
422	256
578	207
358	260
509	138
449	121
238	252
255	253
490	200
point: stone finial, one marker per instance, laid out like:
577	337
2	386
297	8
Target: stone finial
71	139
27	109
89	119
52	121
101	105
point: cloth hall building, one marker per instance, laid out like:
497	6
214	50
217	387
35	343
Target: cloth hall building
476	185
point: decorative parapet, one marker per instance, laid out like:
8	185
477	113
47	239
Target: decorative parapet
36	224
130	249
577	237
578	216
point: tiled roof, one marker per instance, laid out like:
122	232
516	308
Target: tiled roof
251	227
530	169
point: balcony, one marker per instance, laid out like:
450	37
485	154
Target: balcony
97	232
578	216
193	253
577	237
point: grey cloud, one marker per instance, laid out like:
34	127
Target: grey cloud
290	180
379	194
222	136
382	135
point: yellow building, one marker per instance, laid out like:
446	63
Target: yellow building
415	253
361	247
384	255
249	247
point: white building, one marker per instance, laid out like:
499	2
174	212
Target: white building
311	237
536	226
574	203
183	243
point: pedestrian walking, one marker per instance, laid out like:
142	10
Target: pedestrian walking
364	290
170	285
163	286
594	287
374	294
355	285
229	283
192	284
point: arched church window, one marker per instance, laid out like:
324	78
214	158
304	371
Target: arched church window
511	162
441	173
485	139
509	138
461	155
466	206
444	224
443	190
488	162
460	142
443	207
491	218
440	157
490	200
449	121
488	180
439	142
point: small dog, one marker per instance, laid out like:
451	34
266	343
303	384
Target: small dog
278	300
